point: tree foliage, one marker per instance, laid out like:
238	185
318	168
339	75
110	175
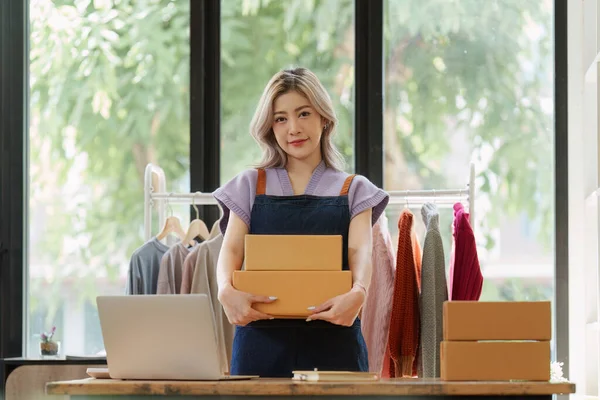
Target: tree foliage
260	38
462	75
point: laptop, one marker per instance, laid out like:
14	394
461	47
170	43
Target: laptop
160	337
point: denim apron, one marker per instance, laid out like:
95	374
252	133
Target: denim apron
274	348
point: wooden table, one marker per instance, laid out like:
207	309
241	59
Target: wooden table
100	389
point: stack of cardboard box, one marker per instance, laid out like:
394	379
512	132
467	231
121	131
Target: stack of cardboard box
493	341
302	271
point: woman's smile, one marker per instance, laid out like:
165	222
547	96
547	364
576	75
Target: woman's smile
298	142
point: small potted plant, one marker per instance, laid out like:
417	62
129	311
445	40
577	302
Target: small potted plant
48	347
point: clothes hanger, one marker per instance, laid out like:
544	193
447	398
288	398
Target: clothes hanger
215	230
197	227
172	225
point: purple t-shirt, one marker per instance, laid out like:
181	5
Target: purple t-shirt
238	194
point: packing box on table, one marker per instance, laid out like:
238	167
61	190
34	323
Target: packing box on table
510	320
495	361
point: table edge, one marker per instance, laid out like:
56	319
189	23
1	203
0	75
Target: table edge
92	386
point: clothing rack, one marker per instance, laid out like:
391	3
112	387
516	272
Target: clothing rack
442	198
155	193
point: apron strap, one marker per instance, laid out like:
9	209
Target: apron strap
346	187
261	182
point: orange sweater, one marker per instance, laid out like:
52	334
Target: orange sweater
403	339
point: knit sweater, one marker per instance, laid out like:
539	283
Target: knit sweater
403	339
466	279
434	292
375	320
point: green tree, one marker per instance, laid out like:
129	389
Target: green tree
109	93
260	38
460	72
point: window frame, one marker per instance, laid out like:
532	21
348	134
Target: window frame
205	142
561	185
369	90
205	101
14	59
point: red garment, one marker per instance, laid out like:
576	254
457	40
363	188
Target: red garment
466	279
403	338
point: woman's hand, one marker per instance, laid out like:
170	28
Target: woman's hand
341	310
238	306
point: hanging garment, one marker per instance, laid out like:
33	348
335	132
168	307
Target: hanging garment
274	348
418	257
375	316
171	269
144	266
204	280
189	265
452	258
434	291
466	278
403	339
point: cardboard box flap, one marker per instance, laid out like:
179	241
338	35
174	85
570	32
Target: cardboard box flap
293	252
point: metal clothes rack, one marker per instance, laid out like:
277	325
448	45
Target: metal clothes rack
155	193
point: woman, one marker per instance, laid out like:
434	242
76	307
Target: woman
299	188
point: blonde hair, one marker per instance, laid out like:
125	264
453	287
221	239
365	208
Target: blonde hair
307	84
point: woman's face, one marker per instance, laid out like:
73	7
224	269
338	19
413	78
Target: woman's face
297	126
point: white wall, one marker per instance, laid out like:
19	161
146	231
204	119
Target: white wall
584	338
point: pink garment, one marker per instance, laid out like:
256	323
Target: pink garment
375	319
189	265
466	279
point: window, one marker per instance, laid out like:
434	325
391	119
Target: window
260	38
110	89
471	84
109	93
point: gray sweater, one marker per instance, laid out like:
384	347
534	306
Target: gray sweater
434	292
144	265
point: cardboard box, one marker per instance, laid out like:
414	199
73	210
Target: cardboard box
479	320
495	361
293	252
295	290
